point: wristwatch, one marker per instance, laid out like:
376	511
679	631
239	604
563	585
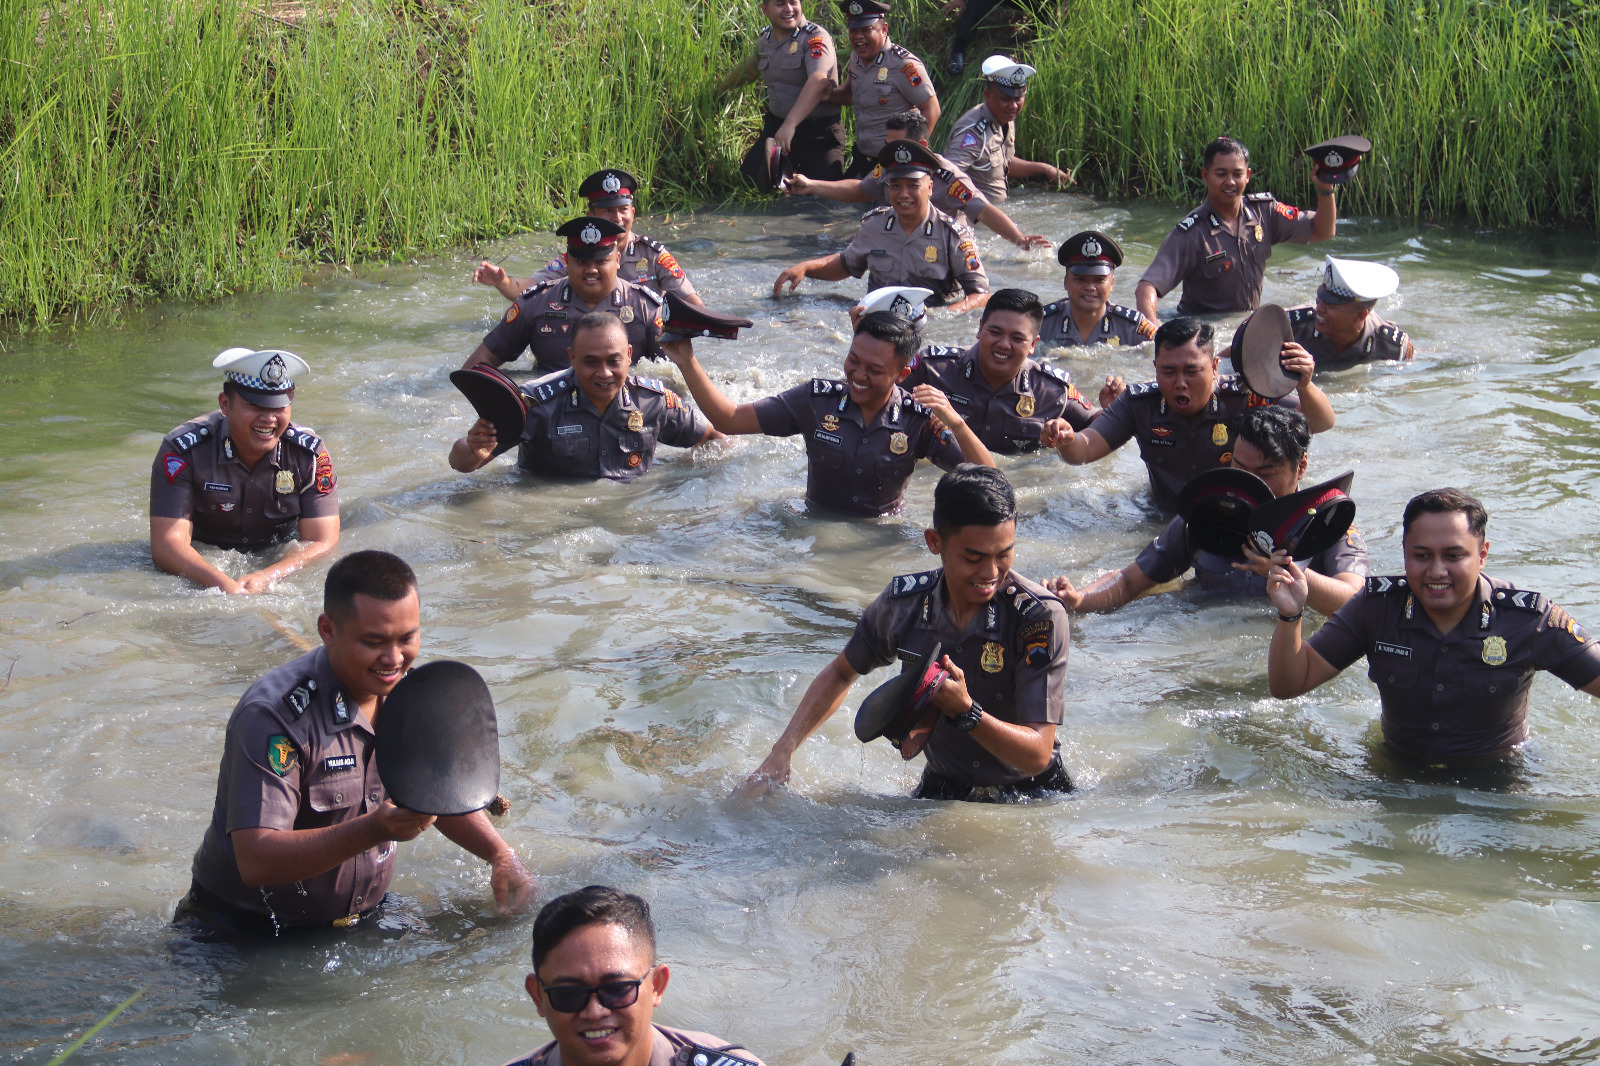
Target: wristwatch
968	720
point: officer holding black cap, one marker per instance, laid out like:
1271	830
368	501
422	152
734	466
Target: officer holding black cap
244	477
881	79
983	141
644	261
541	318
795	59
1004	640
1087	316
1341	329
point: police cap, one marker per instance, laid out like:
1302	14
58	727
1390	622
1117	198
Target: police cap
590	237
265	378
1348	280
907	301
1010	77
438	747
1090	252
1338	159
1307	522
902	709
609	188
906	158
1258	352
1217	506
859	13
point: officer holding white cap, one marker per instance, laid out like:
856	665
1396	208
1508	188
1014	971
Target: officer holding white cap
244	477
1341	329
983	142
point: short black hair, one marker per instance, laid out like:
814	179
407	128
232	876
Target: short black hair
597	320
912	123
1444	501
1176	332
1019	300
1282	434
888	326
972	495
366	573
588	906
1226	145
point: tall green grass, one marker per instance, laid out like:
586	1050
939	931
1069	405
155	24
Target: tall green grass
1489	108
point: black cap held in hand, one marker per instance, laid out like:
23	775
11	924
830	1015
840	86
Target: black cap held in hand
438	747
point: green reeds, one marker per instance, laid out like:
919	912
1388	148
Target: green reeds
1489	108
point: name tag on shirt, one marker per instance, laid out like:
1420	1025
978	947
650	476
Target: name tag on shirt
831	438
339	762
212	486
878	251
567	431
1392	649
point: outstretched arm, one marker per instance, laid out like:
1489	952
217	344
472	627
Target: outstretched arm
1106	593
1075	448
172	550
511	881
723	414
1001	223
821	700
317	536
1293	666
828	268
282	856
1024	169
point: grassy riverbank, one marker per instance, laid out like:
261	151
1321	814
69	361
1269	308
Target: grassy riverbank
173	148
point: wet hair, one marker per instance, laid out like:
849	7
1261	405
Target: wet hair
366	573
888	326
1176	332
597	320
1280	433
913	124
1021	301
590	906
1226	145
1445	501
972	495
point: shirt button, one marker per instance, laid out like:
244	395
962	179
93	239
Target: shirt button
1436	727
358	901
976	764
1438	688
338	797
249	510
1492	688
372	797
858	470
1391	679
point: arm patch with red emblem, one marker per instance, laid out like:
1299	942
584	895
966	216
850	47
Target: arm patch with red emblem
324	472
959	191
511	314
817	46
1290	213
1146	328
174	464
910	71
970	251
666	262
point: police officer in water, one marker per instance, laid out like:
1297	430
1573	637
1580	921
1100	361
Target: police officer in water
244	477
1341	329
881	79
795	59
1452	650
983	141
1087	316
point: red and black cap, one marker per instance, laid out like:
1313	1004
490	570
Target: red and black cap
902	709
769	166
497	399
1305	523
1257	352
859	13
609	188
1217	506
906	158
590	237
680	318
438	747
1338	159
1091	253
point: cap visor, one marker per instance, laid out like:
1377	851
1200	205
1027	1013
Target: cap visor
907	172
1012	91
1328	296
863	20
587	252
273	400
1092	270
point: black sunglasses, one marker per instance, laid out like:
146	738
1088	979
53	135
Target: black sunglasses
614	995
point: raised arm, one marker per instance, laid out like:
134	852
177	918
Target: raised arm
1314	403
1293	666
723	414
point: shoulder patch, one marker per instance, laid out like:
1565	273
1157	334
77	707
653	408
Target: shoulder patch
1378	586
1521	599
826	386
1258	197
185	441
552	385
906	584
304	438
1144	388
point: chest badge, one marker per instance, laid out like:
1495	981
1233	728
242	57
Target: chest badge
1024	406
794	46
898	443
635	421
1494	651
993	659
931	253
284	482
1113	341
1260	236
830	422
643	268
626	314
1219	435
883	73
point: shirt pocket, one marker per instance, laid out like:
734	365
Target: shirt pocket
336	793
570	446
1216	264
1391	673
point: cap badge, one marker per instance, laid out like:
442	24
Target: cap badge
855	8
902	155
274	371
1333	159
611	183
1091	247
901	306
590	234
1018	77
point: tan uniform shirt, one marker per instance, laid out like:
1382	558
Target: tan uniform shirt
851	466
787	61
953	191
197	476
893	82
565	436
1008	419
1462	693
297	755
1221	270
670	1047
541	320
1013	653
938	254
984	147
1379	340
645	261
1118	326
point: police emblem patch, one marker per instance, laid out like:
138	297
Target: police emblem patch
590	235
635	421
830	422
1494	651
174	465
1219	434
626	314
1091	247
898	443
281	755
1333	159
284	482
794	46
511	313
883	73
274	371
633	459
1025	406
993	659
610	183
1260	235
931	253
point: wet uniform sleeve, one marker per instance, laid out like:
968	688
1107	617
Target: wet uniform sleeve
1168	556
785	414
651	344
1290	225
939	445
873	643
1343	638
667	276
680	427
1349	556
171	497
855	256
1176	257
1566	649
964	261
320	497
1077	410
509	339
1115	423
258	797
1040	693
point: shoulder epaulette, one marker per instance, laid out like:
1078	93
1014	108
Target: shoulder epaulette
1130	313
1059	305
303	437
1301	314
811	27
826	386
942	351
914	406
1055	373
1026	603
653	384
1377	586
550	385
299	697
983	125
185	441
649	242
1393	332
906	584
1190	219
900	50
1144	388
1521	599
1231	385
876	211
649	294
538	286
767	31
710	1056
1259	197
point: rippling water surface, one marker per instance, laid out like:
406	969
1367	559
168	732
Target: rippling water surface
1238	879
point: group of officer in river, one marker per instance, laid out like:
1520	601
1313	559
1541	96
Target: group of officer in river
303	831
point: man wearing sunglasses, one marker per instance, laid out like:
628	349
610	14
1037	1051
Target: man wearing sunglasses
596	982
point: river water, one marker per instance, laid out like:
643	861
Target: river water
1237	879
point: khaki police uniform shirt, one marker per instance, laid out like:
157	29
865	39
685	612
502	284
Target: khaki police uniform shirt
1379	340
953	191
1221	270
939	254
851	466
1013	654
1008	419
1118	326
645	261
984	147
669	1047
788	60
1170	555
541	320
1465	692
1175	448
893	82
565	436
297	755
197	475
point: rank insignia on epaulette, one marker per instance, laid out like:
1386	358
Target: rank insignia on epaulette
1143	388
1187	223
1377	586
1055	372
1258	197
299	698
186	441
906	584
1521	599
825	387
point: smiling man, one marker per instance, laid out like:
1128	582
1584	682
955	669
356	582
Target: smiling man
596	982
244	477
1342	329
991	729
881	79
795	59
1183	418
1087	316
1452	651
592	420
303	831
983	142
